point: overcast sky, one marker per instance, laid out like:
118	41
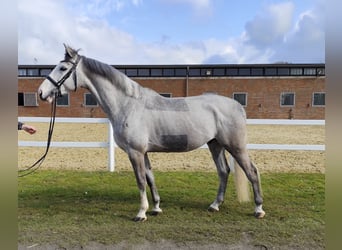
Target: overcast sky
173	31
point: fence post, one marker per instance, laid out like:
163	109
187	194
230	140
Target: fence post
111	148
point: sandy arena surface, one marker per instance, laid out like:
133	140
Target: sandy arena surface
94	159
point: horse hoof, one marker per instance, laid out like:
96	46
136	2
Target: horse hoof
140	219
259	215
155	213
213	209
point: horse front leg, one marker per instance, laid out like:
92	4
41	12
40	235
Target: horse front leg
151	183
137	160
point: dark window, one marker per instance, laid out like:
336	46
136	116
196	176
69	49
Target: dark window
131	72
271	71
122	71
143	72
287	99
318	99
168	72
283	71
45	72
206	72
180	72
296	71
219	72
32	72
321	71
257	72
166	94
244	72
194	72
232	71
30	99
241	98
89	100
20	99
63	100
309	71
156	72
21	72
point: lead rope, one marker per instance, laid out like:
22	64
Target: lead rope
38	163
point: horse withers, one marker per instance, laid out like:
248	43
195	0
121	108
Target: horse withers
144	121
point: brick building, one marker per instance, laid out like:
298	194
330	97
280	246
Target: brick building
270	91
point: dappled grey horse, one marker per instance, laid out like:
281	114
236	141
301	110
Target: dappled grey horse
144	121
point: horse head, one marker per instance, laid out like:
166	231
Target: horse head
62	78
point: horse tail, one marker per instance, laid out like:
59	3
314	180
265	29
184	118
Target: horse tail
241	182
243	192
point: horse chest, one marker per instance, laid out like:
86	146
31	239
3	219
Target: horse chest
129	135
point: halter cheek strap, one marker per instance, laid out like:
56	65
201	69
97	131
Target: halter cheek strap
61	81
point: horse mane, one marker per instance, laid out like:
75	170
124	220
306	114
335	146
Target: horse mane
127	85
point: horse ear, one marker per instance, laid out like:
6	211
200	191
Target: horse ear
69	51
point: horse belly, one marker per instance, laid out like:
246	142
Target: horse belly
179	134
174	143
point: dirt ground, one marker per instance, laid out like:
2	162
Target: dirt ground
94	159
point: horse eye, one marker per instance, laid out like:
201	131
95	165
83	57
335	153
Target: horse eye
62	68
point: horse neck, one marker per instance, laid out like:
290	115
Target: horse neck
114	93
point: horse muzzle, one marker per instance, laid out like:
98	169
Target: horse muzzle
48	98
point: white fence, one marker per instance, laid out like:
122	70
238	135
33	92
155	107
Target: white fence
110	144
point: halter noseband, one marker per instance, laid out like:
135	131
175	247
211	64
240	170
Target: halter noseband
66	76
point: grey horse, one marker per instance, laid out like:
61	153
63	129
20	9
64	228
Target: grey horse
144	121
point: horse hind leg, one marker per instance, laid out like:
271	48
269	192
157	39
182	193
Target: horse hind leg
242	158
151	183
217	153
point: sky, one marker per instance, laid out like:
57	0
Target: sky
124	32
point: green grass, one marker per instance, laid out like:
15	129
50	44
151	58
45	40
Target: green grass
69	208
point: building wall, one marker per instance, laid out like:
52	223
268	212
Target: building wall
263	95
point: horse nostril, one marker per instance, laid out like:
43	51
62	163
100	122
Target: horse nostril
40	92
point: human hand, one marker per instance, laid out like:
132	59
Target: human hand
29	129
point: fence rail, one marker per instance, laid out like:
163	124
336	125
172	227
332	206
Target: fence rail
110	144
